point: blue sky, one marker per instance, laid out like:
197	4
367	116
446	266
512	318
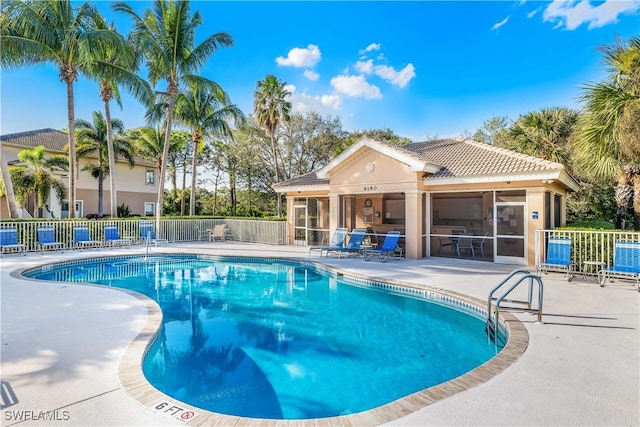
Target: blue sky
418	68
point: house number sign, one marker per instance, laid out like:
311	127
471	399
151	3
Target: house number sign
370	188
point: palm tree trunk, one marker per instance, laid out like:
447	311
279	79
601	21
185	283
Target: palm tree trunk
623	193
194	160
165	156
275	162
14	209
183	191
100	192
112	162
72	149
636	202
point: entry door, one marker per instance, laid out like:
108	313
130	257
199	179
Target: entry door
300	225
510	223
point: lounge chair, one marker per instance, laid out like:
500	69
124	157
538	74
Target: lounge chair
47	239
337	241
626	263
148	232
219	232
82	239
9	241
354	245
558	257
112	236
387	249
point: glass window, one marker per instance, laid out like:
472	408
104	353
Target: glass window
557	210
148	208
150	177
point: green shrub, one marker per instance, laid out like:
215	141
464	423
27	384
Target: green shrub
592	224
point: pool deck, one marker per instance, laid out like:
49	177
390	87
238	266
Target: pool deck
62	346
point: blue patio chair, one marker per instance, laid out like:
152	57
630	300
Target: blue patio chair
388	248
9	241
112	236
82	239
353	246
47	239
337	241
558	257
147	231
626	263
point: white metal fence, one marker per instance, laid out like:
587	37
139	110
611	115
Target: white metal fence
594	246
174	230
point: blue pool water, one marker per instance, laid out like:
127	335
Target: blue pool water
284	341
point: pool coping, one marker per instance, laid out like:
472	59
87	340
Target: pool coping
137	387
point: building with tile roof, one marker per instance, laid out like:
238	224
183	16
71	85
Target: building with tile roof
138	187
433	192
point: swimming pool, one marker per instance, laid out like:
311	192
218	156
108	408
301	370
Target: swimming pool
286	340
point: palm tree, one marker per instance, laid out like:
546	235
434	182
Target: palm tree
93	139
605	147
7	187
543	133
114	66
271	107
166	36
149	143
35	177
52	31
205	112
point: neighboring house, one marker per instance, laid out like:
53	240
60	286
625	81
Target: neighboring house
432	192
137	186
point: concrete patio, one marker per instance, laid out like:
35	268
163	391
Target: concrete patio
62	345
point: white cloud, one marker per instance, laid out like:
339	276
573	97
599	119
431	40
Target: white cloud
372	46
399	78
364	66
303	103
500	24
301	57
355	86
572	14
532	13
311	75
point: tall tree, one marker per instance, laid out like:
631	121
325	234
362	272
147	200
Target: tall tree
205	112
606	145
52	31
93	139
113	66
543	134
35	176
271	107
149	142
492	131
166	37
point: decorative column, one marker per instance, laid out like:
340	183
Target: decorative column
413	224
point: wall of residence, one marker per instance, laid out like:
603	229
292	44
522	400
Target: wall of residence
371	175
535	190
132	179
369	185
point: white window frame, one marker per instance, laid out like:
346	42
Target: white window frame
153	208
153	177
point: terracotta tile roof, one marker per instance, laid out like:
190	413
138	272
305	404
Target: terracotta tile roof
462	157
52	139
307	179
457	157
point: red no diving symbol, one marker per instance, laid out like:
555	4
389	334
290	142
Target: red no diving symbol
187	414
